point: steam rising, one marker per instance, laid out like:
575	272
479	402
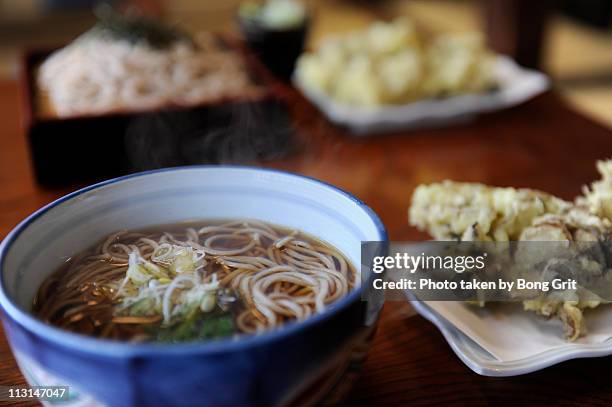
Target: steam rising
239	133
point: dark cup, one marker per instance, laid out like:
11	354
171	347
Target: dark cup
278	49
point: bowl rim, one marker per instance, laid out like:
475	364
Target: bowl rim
113	348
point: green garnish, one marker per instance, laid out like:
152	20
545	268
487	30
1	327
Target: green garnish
142	308
219	327
136	29
198	326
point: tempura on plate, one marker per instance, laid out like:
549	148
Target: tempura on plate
476	212
394	63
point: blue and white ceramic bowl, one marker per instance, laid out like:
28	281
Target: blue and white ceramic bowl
299	364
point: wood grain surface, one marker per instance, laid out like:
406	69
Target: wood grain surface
541	144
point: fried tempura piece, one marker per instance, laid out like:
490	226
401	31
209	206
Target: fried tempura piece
470	211
476	212
598	198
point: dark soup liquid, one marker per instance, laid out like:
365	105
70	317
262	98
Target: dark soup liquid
194	281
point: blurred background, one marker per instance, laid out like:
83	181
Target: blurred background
571	40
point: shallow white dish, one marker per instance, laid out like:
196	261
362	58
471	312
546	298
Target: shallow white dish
485	363
515	86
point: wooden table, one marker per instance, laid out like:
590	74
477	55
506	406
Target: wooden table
541	144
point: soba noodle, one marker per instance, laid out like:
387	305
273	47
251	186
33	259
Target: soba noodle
98	75
135	284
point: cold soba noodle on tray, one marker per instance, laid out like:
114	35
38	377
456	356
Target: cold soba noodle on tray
194	281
